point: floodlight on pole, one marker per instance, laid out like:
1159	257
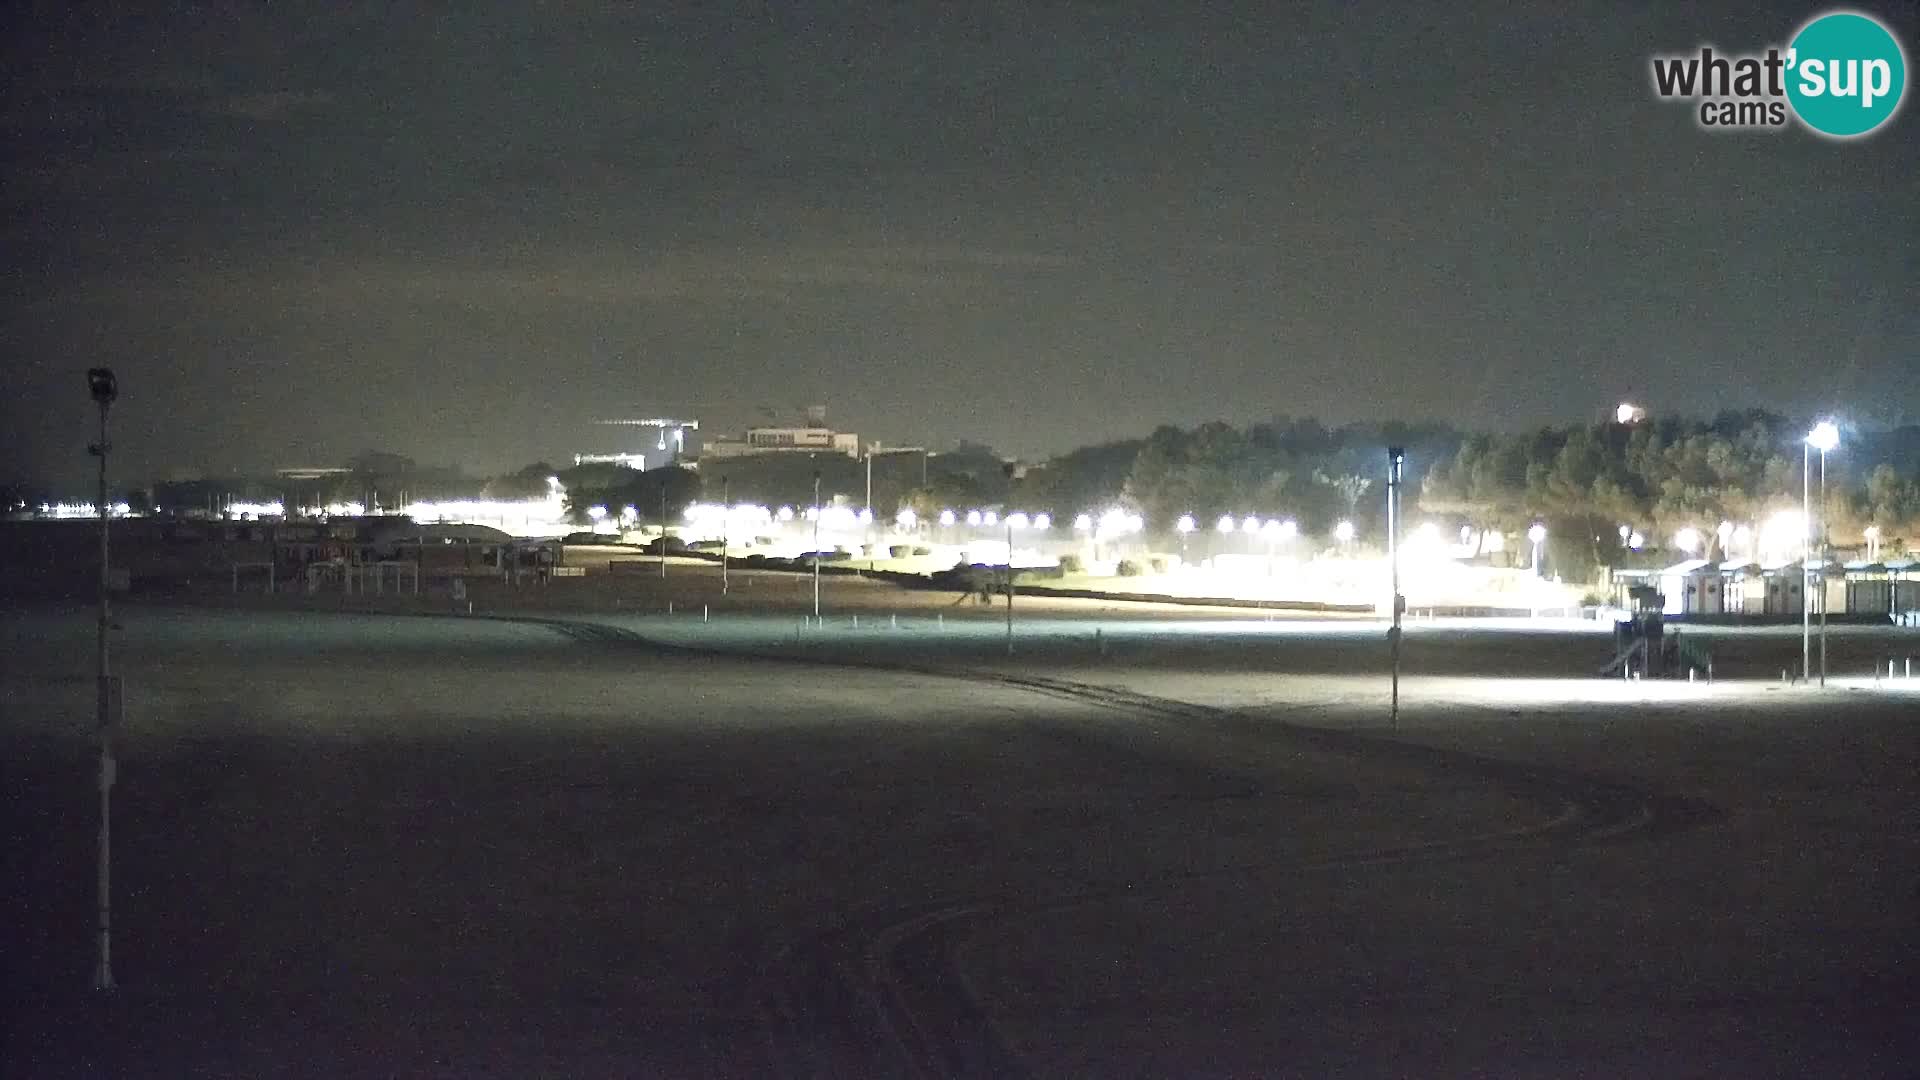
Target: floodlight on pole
1014	521
1225	524
1396	460
1824	437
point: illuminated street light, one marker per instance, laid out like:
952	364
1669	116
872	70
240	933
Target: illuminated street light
906	518
1225	524
1687	540
1043	522
990	517
1538	535
947	518
597	513
1343	532
1288	529
1083	523
1635	540
1725	533
1627	413
785	513
1017	520
1251	525
1185	525
1824	437
973	518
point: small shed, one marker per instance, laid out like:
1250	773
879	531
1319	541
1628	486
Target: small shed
1692	588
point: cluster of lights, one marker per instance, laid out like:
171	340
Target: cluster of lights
1112	523
62	511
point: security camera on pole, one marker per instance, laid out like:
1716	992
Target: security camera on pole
104	388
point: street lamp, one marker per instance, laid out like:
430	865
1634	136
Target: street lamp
1396	460
1538	535
1272	530
104	388
1016	520
1824	437
1687	540
1343	532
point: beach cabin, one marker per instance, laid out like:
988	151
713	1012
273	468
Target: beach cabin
1784	585
1693	587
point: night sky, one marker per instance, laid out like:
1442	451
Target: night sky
304	232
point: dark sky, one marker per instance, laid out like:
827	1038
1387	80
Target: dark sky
303	230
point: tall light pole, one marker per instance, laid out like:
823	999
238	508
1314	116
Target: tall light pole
105	388
816	543
1824	437
1396	457
1010	523
726	516
663	528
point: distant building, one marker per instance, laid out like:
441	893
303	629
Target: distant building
670	442
786	440
814	437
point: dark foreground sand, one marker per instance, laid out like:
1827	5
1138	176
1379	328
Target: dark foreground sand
366	845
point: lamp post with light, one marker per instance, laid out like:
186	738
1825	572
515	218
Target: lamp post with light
1824	437
1396	458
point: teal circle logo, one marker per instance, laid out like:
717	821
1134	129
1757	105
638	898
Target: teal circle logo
1846	74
